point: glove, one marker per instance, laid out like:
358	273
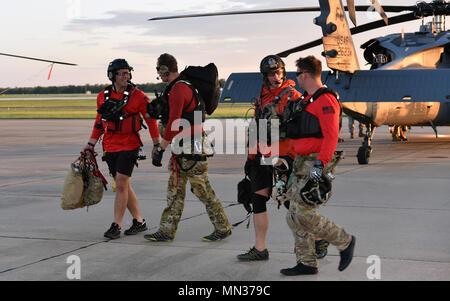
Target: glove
316	171
157	156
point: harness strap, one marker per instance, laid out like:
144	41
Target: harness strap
195	92
175	169
118	124
277	99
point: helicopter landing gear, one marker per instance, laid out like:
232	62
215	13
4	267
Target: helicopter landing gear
399	132
366	149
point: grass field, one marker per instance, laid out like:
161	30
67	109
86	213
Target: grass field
81	108
50	103
42	95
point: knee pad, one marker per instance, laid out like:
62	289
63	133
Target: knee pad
259	203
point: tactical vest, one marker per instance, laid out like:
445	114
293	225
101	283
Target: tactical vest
298	123
268	112
113	117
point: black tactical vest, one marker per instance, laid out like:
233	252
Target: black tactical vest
298	123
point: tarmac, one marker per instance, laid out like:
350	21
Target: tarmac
397	206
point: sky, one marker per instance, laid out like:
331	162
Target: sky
91	33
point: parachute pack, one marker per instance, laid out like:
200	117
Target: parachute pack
204	81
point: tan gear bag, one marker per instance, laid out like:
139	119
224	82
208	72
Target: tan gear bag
72	194
84	183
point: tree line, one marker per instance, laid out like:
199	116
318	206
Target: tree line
94	89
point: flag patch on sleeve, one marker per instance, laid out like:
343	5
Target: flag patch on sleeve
328	110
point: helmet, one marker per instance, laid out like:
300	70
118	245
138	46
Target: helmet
271	62
316	193
115	65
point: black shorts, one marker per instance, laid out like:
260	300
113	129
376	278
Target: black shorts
261	176
122	162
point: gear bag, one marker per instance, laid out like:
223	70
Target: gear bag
84	183
244	194
204	81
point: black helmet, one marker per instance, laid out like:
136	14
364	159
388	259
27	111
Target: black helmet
271	62
316	193
115	65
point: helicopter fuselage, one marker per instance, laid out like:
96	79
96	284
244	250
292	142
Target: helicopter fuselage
420	50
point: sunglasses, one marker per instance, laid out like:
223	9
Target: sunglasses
273	73
123	73
299	73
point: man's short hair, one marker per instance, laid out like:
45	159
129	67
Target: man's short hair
310	65
168	60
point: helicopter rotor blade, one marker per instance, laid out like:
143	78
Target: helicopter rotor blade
36	59
243	12
380	23
360	8
380	10
355	30
351	11
300	48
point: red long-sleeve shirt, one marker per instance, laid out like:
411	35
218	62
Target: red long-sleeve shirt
181	98
266	97
117	141
326	108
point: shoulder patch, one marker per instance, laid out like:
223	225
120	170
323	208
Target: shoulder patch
328	110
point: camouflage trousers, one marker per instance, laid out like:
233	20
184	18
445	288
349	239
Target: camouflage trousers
200	187
306	224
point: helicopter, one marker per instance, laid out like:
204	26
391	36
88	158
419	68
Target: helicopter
390	93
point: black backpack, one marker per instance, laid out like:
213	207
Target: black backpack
206	81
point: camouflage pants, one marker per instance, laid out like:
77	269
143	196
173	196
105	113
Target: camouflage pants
200	186
302	218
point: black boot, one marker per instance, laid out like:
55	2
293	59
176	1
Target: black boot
347	255
299	269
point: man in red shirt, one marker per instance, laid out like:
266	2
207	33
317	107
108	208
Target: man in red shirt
313	171
185	110
120	107
277	90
